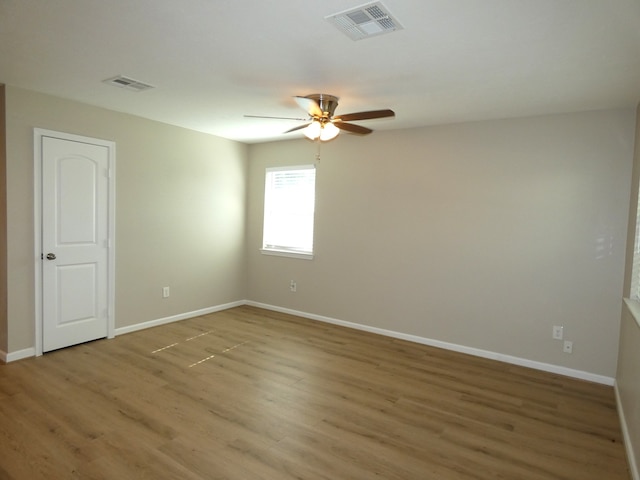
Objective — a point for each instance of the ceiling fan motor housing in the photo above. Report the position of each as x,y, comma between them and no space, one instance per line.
327,103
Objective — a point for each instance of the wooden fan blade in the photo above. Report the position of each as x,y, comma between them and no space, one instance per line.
309,105
350,127
277,118
366,115
297,128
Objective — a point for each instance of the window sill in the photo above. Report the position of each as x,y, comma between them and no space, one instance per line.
634,308
287,253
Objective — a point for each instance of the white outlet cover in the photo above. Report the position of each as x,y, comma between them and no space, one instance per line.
558,331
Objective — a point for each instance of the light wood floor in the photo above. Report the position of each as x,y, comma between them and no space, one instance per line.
250,394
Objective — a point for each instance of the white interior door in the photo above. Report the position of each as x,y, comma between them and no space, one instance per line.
75,247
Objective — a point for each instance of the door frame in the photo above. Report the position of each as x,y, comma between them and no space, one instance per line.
38,134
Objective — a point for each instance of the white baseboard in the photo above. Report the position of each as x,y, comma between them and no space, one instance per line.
523,362
633,465
19,355
176,318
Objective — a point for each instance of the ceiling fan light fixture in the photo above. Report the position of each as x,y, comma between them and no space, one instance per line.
324,131
312,132
328,132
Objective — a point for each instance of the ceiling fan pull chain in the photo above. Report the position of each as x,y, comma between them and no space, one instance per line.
318,151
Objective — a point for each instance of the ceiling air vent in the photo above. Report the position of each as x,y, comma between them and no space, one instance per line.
365,21
128,83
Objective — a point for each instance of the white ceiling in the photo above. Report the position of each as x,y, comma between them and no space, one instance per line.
212,61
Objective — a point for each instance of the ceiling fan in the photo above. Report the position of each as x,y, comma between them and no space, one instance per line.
322,124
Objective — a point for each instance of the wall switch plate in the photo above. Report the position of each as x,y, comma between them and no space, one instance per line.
567,346
558,331
165,292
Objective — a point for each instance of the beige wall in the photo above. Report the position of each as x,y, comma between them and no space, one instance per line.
483,235
628,375
180,211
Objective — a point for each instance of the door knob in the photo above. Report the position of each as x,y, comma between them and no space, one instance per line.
51,256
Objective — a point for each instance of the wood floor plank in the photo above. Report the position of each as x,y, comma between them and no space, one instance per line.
253,394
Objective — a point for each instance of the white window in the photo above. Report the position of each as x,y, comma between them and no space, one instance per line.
289,203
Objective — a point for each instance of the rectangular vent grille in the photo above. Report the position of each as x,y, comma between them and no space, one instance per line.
128,83
365,21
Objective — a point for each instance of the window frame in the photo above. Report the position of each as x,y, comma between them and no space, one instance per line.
278,250
634,293
633,300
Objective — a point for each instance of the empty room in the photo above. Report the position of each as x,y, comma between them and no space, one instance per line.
319,240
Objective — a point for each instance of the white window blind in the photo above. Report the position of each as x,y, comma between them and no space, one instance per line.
289,205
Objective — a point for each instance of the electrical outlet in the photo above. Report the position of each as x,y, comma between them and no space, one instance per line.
558,331
165,292
567,346
292,286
